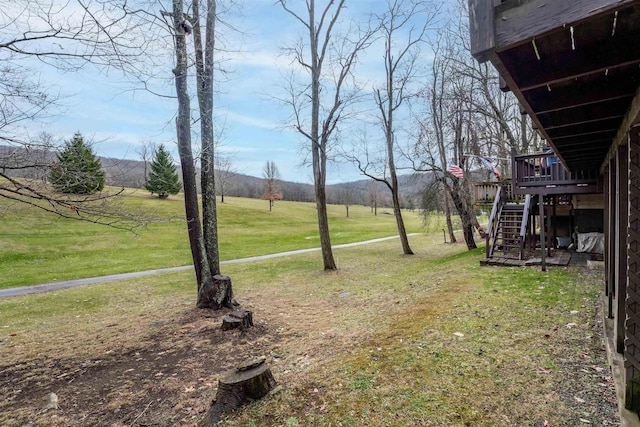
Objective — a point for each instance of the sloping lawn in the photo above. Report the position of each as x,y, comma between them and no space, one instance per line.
37,247
388,340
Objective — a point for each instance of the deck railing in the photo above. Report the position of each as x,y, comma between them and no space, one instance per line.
485,192
545,170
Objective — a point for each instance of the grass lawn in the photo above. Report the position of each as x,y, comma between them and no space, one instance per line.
37,247
387,340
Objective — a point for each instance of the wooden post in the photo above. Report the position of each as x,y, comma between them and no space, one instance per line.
611,249
607,219
542,235
632,324
620,266
554,221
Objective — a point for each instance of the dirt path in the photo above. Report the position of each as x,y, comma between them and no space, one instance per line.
54,286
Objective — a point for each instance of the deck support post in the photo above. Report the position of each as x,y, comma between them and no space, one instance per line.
610,231
620,265
543,223
632,302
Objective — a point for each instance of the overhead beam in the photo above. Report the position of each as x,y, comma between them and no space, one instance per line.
631,119
584,113
529,19
586,122
582,143
604,55
579,138
583,93
609,124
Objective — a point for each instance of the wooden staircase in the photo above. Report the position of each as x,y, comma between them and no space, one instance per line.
508,226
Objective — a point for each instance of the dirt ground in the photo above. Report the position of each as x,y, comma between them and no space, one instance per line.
160,383
169,376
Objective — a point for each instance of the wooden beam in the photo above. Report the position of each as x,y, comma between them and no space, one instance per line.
481,28
515,25
592,142
584,92
632,324
610,250
581,64
610,124
620,266
609,117
561,189
580,138
585,113
631,118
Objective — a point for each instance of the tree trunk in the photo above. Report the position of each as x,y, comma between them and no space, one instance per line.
204,74
183,130
249,382
216,293
402,232
447,215
323,229
465,217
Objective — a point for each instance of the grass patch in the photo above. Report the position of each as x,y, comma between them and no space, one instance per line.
388,340
36,247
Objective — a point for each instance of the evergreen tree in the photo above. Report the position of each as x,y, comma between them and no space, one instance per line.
78,170
163,178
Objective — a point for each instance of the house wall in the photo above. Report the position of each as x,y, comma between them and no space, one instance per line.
588,201
589,220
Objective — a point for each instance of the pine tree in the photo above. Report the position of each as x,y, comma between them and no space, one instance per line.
78,170
163,178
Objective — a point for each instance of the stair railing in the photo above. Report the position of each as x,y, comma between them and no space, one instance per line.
494,220
524,225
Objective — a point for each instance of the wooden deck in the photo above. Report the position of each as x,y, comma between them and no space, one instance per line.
560,258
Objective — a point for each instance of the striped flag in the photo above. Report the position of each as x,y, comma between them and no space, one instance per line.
486,161
456,171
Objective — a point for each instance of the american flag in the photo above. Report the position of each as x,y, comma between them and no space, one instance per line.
456,171
486,161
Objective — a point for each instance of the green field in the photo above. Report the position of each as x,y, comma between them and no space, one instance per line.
37,247
431,339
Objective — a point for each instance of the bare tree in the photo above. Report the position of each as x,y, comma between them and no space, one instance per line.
347,195
402,43
145,150
214,291
272,191
318,108
445,136
373,194
225,173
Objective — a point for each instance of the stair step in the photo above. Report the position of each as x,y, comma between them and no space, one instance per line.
513,208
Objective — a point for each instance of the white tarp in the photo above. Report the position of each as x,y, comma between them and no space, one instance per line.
591,242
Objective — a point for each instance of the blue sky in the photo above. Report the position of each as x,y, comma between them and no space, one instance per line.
101,107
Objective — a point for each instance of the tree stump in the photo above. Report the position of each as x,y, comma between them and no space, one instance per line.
238,319
251,380
216,294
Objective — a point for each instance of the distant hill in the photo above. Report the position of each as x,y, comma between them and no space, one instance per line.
33,163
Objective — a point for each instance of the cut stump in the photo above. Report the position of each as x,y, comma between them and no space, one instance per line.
216,294
238,319
250,381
